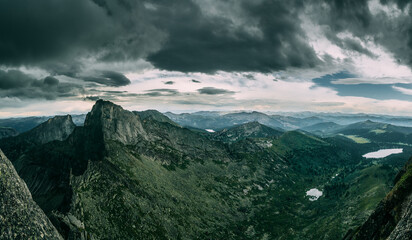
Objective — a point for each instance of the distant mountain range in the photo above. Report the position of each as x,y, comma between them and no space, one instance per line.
143,175
20,125
288,121
220,120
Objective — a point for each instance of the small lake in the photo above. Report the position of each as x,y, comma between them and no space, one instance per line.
314,194
383,153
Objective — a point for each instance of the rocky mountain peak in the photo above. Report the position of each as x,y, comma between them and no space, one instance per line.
20,216
56,128
115,123
154,115
65,119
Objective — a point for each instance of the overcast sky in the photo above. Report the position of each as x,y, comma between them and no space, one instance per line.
59,56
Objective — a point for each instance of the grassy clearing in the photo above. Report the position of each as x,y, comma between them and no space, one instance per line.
357,139
378,131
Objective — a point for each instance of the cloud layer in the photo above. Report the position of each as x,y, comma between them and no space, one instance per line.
16,84
195,36
188,52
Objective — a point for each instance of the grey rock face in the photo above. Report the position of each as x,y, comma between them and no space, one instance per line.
392,217
115,123
20,216
403,229
57,128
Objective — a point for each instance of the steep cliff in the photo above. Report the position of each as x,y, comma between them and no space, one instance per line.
392,217
56,128
20,216
115,123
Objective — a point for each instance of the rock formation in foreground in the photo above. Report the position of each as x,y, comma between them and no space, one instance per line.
20,216
392,219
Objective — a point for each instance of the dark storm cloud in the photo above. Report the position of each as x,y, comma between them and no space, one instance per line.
355,17
349,44
166,90
14,79
375,91
186,35
92,98
202,43
51,81
39,32
161,92
33,31
400,3
249,76
108,78
14,83
347,14
214,91
355,45
174,35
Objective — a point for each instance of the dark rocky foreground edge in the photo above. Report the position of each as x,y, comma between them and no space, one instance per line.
392,217
20,216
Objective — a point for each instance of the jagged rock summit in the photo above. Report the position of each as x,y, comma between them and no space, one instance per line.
115,123
20,216
57,128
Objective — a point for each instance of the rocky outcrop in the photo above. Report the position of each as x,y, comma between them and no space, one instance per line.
115,123
20,216
57,128
392,217
403,229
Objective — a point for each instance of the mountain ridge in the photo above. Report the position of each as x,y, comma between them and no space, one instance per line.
247,130
115,122
57,128
171,182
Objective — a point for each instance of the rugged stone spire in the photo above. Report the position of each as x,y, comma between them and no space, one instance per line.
115,123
